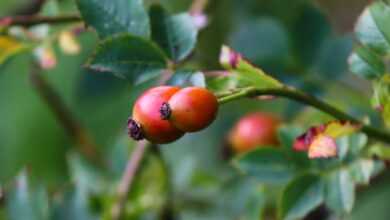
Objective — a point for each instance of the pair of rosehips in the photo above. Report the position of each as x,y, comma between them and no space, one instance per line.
163,114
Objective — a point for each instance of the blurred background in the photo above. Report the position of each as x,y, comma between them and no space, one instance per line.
303,43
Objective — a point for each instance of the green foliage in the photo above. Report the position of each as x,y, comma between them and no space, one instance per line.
187,78
300,196
176,34
373,32
340,191
128,57
245,71
261,30
266,164
366,64
255,204
113,17
150,190
364,169
27,200
372,29
329,65
381,97
287,135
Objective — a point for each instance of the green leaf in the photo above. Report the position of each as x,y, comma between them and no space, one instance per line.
149,191
265,164
176,35
50,8
27,201
364,169
357,142
112,17
350,146
372,28
128,57
301,195
223,83
381,97
149,188
74,204
340,191
329,65
118,155
85,176
310,30
287,136
254,208
366,63
185,78
265,29
380,151
247,73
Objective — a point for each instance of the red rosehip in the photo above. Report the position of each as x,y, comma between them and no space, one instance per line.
191,109
254,130
147,122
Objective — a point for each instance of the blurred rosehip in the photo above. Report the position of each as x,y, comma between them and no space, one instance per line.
254,130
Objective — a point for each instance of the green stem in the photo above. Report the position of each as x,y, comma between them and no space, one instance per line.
304,98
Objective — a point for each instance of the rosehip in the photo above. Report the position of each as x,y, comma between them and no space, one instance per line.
147,122
254,130
191,109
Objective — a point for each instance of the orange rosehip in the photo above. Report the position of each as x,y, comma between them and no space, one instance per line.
191,109
146,121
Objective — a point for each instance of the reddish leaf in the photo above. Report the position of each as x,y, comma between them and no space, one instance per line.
323,147
320,142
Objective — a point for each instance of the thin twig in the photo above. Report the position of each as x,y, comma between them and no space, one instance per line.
29,20
63,114
127,179
168,211
307,99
